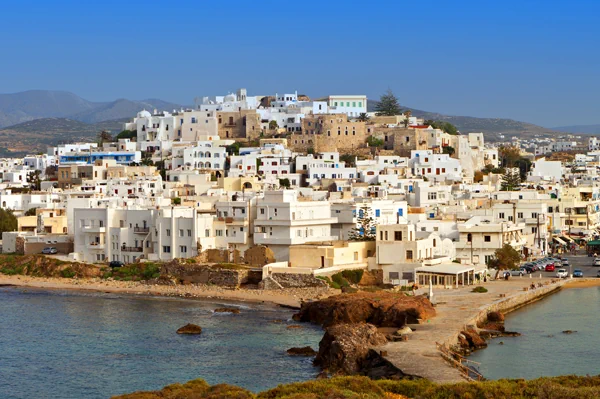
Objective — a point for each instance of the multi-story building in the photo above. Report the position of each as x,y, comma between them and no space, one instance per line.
351,105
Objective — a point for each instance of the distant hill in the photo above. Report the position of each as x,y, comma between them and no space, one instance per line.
583,129
25,106
36,135
493,127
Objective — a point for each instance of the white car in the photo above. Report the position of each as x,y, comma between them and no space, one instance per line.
562,273
597,262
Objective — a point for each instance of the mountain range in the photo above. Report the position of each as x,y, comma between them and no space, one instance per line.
29,105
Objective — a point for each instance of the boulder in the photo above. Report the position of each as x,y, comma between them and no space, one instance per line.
344,347
471,340
382,309
404,330
569,332
227,310
294,327
190,329
304,351
495,317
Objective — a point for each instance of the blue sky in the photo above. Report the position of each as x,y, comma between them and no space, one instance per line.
536,61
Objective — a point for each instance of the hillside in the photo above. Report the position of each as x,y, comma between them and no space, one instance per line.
25,106
493,127
583,129
36,135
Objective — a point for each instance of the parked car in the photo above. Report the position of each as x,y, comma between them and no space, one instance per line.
562,273
577,273
115,264
549,268
597,262
517,272
49,251
565,262
529,268
598,274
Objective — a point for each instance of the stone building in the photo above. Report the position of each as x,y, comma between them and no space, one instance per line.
243,124
329,133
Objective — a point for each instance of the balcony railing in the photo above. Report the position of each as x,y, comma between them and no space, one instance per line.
132,249
141,230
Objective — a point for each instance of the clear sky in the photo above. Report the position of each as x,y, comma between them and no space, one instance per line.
536,61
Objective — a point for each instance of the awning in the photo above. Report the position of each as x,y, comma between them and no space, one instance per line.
558,240
567,238
595,243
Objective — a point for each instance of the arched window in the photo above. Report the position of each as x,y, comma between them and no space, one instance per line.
434,242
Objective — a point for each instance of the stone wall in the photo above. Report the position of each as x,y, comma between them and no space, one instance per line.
331,132
193,273
259,255
295,280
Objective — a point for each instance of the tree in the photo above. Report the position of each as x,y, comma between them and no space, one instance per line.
233,149
373,141
448,150
365,226
349,159
388,105
363,117
273,125
505,258
30,212
478,176
284,183
33,178
8,221
446,127
176,201
104,136
509,155
126,134
511,180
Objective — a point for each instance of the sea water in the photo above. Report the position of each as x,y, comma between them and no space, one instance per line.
543,349
68,344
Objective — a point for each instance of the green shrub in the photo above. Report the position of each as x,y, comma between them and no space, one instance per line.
332,284
12,270
353,276
68,273
479,289
339,279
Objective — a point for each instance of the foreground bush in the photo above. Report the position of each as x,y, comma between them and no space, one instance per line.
566,387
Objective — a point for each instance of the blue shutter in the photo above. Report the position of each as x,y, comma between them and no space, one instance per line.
377,212
400,212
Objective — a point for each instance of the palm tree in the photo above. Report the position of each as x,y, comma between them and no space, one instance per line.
363,117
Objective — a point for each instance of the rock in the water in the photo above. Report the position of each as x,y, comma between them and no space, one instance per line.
470,339
345,346
304,351
382,309
495,317
501,343
227,310
190,329
294,327
569,332
404,330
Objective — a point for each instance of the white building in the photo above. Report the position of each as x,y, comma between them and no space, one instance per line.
351,105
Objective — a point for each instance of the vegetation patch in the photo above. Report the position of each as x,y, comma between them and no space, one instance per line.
479,289
134,272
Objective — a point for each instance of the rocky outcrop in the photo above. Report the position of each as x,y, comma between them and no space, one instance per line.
377,367
304,351
227,310
495,317
470,340
382,309
43,266
190,329
344,347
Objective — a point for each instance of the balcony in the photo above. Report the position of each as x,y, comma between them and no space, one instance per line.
95,245
94,229
141,230
132,249
230,124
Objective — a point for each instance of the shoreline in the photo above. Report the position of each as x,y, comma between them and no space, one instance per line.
291,298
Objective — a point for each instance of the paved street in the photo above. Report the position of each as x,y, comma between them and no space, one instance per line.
582,262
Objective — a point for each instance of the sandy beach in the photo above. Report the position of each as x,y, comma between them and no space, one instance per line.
289,297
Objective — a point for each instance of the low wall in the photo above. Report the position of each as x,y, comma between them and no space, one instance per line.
334,269
506,305
206,274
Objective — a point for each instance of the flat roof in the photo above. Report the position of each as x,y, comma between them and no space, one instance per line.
445,268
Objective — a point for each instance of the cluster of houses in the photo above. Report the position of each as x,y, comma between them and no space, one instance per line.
324,184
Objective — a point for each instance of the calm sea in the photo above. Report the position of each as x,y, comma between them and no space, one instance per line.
543,350
64,344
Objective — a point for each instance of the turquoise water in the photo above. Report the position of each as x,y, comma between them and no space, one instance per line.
59,344
543,350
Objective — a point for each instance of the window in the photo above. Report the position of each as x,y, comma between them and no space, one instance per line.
534,215
434,242
180,232
183,249
381,235
219,233
432,196
409,254
487,238
166,249
488,258
510,218
262,211
520,215
168,233
397,235
501,215
386,235
206,233
469,237
189,233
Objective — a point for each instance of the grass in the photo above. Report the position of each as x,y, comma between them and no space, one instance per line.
565,387
67,273
134,272
332,284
